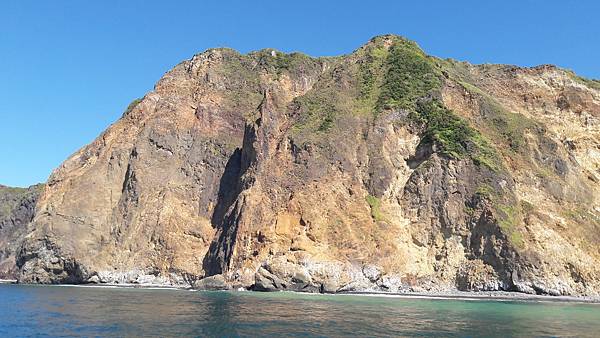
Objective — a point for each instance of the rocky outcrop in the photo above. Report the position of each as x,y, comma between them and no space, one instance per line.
144,198
17,207
211,283
382,170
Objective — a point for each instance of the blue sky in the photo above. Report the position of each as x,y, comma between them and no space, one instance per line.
69,68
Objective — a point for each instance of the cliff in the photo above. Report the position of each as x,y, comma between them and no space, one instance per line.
385,169
17,207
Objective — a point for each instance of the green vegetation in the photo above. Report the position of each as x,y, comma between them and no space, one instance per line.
503,125
591,83
317,112
370,76
5,191
10,197
526,207
375,204
512,127
510,217
396,76
287,62
5,209
280,63
507,126
486,191
545,173
319,108
455,137
469,211
132,106
326,124
369,69
244,91
410,75
517,239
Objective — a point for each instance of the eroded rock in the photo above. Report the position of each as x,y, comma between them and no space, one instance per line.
212,283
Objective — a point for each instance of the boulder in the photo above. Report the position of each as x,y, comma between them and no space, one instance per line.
266,281
211,283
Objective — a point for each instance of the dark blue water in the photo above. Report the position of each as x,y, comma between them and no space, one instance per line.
72,311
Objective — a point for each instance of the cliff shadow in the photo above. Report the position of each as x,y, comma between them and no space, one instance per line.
228,188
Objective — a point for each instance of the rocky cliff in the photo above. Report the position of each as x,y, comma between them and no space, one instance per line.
385,169
17,207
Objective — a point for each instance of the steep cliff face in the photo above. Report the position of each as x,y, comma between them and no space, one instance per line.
141,202
17,207
384,169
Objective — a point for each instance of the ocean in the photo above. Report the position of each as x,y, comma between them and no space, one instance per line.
66,311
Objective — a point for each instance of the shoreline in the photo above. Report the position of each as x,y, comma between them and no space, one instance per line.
502,296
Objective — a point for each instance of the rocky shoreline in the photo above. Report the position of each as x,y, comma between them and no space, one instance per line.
505,296
279,275
491,295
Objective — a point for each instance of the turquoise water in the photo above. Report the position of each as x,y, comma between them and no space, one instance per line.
87,311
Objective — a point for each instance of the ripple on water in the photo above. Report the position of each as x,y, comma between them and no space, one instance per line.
65,311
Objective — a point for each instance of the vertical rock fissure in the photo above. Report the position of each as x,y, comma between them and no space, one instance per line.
230,203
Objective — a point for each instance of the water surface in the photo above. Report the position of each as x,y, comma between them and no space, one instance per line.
89,311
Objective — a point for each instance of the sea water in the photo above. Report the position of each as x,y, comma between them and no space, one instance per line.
96,311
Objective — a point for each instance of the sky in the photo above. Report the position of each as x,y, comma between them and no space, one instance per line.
68,69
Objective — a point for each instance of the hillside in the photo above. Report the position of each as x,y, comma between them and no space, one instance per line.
385,169
17,207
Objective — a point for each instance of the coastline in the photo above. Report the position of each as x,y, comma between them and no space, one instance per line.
502,296
482,296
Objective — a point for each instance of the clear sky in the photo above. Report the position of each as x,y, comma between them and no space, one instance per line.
68,69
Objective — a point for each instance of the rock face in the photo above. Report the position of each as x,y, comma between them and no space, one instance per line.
17,207
384,170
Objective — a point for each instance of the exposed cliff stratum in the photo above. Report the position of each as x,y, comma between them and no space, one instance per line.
385,169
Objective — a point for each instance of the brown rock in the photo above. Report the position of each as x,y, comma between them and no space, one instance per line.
212,283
